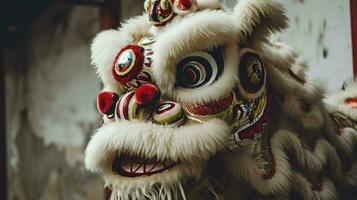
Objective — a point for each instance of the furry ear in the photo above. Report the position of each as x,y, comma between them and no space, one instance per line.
258,19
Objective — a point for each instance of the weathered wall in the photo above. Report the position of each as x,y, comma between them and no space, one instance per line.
51,109
51,112
321,31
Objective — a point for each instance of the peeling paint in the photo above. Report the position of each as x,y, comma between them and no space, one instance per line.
14,81
321,32
51,107
51,190
61,84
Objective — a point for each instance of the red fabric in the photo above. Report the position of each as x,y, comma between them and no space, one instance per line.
184,4
210,108
353,6
139,62
107,193
106,102
147,94
352,102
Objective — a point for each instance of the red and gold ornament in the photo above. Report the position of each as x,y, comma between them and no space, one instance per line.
184,4
128,63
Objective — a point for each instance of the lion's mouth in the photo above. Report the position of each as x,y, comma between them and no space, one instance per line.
134,167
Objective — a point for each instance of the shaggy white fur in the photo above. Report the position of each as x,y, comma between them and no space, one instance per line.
189,146
281,55
284,57
304,188
336,101
256,20
243,167
283,143
296,97
188,143
152,192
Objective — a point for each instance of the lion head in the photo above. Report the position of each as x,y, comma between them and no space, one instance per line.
183,83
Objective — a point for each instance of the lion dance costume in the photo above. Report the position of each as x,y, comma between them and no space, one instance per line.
199,103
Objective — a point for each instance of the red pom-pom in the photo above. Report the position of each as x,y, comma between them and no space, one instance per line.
352,102
147,94
184,4
106,102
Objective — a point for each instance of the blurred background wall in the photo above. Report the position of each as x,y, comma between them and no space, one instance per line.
50,102
321,31
51,88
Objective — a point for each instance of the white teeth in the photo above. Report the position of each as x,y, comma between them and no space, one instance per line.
159,166
150,167
141,170
135,167
127,166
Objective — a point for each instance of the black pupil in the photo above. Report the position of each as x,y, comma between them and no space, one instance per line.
251,72
191,75
199,70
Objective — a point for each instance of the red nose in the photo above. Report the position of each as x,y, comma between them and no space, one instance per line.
106,102
147,95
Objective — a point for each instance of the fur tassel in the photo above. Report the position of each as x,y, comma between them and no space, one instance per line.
257,19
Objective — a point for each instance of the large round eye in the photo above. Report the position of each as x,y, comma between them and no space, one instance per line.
252,75
197,70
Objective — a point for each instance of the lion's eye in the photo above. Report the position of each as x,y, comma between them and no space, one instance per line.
252,75
199,69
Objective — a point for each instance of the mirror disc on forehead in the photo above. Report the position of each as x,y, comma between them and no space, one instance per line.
128,63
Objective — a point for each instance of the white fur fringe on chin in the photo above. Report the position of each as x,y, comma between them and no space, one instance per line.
152,192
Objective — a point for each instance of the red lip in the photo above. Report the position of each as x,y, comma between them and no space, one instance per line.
135,167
